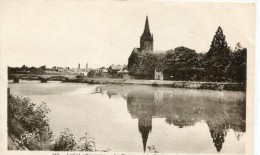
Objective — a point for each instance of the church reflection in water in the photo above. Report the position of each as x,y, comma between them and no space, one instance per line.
145,127
186,109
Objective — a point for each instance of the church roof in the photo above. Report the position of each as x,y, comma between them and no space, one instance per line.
136,50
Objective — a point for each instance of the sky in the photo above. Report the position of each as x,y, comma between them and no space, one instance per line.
100,33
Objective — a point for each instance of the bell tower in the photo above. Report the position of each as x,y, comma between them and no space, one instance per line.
146,39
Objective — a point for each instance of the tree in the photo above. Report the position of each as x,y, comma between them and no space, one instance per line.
160,63
148,65
142,65
217,58
218,45
181,64
91,73
134,62
236,70
43,67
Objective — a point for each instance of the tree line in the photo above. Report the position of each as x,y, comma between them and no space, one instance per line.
219,64
25,70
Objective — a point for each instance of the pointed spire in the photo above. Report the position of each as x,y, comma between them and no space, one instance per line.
146,39
146,27
144,142
145,127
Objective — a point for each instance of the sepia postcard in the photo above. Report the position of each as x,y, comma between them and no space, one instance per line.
126,77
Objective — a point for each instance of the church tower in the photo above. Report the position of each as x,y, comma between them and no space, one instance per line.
146,40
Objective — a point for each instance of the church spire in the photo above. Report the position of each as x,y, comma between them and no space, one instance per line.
146,39
146,27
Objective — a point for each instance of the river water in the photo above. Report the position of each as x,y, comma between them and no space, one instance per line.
135,118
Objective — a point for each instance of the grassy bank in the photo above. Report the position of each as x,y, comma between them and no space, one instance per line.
172,84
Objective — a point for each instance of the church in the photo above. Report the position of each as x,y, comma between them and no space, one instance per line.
146,45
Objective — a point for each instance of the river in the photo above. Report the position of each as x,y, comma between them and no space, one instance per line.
136,118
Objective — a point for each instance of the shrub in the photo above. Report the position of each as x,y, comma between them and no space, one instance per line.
86,143
25,117
65,142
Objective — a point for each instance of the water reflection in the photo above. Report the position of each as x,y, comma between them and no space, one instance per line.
145,127
218,135
221,111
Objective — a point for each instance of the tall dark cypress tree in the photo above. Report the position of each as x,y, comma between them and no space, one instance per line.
217,58
218,45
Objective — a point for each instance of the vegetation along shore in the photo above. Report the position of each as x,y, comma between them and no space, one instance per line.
172,84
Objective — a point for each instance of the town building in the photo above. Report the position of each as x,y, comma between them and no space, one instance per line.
79,71
126,75
158,75
113,69
101,72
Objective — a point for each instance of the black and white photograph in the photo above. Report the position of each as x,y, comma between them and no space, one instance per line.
124,77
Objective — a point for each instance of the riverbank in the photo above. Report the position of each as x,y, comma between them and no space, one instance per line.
29,129
172,84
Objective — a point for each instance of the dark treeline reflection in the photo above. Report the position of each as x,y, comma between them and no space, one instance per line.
222,111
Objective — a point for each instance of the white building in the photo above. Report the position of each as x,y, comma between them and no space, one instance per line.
158,75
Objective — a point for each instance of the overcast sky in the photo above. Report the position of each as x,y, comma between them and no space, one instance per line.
65,33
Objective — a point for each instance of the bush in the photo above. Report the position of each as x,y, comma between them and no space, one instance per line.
66,141
86,143
25,117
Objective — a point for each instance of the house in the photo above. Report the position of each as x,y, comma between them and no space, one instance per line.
126,74
158,75
101,70
113,69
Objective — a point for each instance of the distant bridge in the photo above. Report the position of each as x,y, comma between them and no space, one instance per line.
43,77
